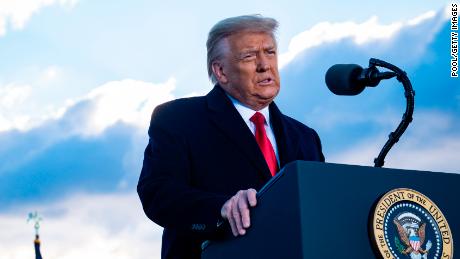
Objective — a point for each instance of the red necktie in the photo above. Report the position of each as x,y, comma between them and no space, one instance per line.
265,146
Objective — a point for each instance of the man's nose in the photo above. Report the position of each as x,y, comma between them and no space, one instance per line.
263,63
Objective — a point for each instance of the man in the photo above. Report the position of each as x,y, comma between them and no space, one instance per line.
208,155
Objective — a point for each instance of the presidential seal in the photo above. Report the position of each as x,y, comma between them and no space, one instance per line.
407,224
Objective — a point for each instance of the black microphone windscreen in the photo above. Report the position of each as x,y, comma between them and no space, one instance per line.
342,79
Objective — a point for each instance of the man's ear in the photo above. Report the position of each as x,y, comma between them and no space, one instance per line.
218,70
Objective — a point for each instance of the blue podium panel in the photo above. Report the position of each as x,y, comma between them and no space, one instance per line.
324,210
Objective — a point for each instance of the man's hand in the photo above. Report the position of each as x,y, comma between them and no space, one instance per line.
236,210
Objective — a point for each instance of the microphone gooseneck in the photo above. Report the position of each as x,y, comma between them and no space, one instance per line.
351,79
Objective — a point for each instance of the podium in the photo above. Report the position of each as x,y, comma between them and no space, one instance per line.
325,210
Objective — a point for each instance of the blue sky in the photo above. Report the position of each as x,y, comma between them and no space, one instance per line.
79,79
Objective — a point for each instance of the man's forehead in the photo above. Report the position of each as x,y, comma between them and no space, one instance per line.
252,40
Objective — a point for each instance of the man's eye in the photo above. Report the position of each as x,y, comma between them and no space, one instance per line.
248,56
271,52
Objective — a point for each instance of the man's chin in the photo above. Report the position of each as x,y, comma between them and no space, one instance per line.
268,95
264,101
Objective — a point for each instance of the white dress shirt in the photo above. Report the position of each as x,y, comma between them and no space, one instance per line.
246,113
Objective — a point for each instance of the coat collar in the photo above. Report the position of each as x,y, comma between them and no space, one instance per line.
286,138
225,116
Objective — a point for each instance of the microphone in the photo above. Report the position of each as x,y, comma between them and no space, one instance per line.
351,79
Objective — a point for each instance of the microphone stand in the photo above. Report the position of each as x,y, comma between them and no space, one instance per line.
409,93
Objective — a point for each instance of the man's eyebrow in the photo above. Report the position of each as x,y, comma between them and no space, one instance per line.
251,49
255,49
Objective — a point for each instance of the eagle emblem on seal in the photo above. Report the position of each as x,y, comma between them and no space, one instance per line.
411,232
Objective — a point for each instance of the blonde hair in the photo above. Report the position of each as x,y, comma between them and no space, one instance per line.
225,28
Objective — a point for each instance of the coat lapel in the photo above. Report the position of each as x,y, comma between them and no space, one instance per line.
225,116
286,139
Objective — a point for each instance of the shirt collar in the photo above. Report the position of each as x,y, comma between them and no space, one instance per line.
247,112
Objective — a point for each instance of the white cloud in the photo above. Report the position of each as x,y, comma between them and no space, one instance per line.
2,26
27,102
50,73
421,18
12,96
83,226
328,119
429,144
129,101
18,12
439,156
361,33
20,108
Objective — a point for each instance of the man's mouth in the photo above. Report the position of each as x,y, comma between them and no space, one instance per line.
266,81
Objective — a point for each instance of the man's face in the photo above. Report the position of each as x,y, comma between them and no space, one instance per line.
249,69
